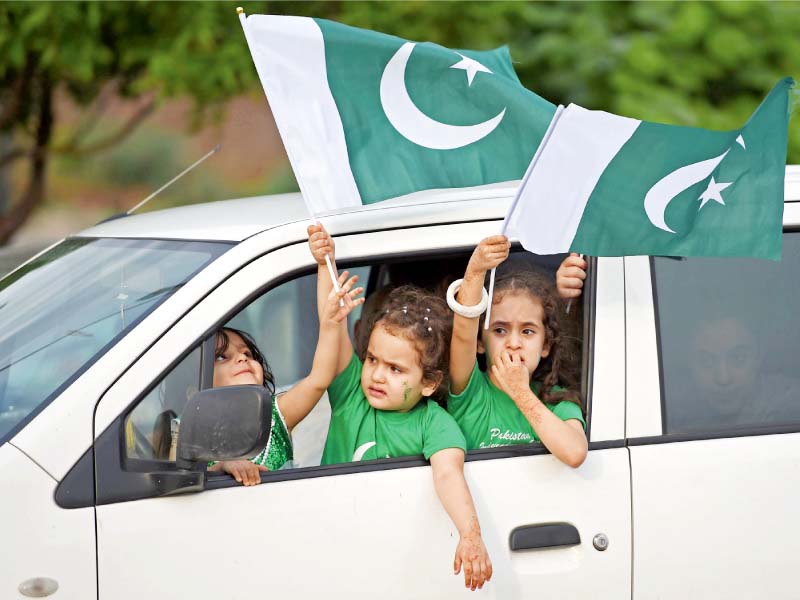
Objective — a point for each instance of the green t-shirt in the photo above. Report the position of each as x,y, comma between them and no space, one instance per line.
489,418
358,431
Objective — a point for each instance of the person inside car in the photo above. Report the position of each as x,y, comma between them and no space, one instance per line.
383,407
238,361
517,400
728,384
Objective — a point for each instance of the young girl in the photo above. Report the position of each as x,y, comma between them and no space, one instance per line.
383,407
238,361
510,404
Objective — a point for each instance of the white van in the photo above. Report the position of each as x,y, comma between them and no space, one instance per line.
690,384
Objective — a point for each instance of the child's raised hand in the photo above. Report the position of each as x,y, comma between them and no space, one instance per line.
511,375
472,555
243,471
321,243
489,253
570,276
336,311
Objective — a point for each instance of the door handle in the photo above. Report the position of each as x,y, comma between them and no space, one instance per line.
546,535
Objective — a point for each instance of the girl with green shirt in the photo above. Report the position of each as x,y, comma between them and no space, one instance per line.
382,406
238,361
517,400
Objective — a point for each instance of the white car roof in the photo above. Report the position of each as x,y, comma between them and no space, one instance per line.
236,220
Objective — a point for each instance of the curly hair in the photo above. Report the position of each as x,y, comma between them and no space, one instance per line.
424,319
554,369
222,345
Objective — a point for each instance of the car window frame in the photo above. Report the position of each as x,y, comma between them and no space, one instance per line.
216,481
735,431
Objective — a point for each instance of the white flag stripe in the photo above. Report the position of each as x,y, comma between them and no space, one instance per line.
552,203
289,54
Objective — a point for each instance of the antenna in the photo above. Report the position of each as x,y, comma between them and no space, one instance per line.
173,180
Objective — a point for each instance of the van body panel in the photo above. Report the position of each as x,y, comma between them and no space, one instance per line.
40,539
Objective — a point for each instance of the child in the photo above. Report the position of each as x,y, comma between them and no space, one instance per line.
509,404
383,407
238,361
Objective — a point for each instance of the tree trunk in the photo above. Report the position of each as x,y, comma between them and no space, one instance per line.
34,191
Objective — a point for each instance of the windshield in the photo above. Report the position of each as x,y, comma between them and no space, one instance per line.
62,311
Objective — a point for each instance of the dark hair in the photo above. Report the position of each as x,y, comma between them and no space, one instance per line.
554,369
370,312
162,434
222,345
424,319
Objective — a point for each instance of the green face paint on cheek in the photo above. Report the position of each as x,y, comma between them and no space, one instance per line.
406,393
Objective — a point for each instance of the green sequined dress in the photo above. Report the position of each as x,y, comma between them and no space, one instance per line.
278,453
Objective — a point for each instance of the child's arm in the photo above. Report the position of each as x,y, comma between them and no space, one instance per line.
570,276
566,440
463,346
298,401
451,487
321,244
243,471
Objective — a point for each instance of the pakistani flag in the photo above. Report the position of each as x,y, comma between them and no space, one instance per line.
605,185
366,116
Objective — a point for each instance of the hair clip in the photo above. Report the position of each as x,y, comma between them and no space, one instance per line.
428,309
430,328
424,318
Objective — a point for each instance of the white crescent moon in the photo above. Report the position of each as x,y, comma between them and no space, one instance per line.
362,450
661,194
412,123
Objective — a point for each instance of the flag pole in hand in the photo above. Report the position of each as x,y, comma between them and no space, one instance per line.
331,271
569,302
515,201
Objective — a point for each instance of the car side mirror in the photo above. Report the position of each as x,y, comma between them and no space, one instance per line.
224,423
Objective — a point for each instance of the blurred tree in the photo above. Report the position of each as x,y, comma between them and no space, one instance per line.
90,51
690,63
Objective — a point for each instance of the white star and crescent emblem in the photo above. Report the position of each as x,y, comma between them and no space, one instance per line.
471,67
666,189
361,451
416,126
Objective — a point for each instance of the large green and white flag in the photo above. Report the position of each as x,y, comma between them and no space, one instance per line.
606,185
366,116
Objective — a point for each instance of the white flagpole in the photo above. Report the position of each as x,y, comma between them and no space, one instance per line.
515,201
334,278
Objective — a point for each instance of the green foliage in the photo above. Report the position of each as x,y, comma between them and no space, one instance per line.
705,64
148,158
693,63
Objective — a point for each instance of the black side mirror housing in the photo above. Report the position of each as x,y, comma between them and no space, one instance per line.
224,423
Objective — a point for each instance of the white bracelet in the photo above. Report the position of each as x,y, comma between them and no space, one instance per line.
470,312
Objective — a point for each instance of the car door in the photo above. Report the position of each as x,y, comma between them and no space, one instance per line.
714,423
372,529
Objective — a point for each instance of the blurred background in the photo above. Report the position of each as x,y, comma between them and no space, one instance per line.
103,102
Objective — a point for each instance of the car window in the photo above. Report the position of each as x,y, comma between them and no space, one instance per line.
283,324
729,338
63,310
152,426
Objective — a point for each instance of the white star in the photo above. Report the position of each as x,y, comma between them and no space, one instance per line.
713,192
470,66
